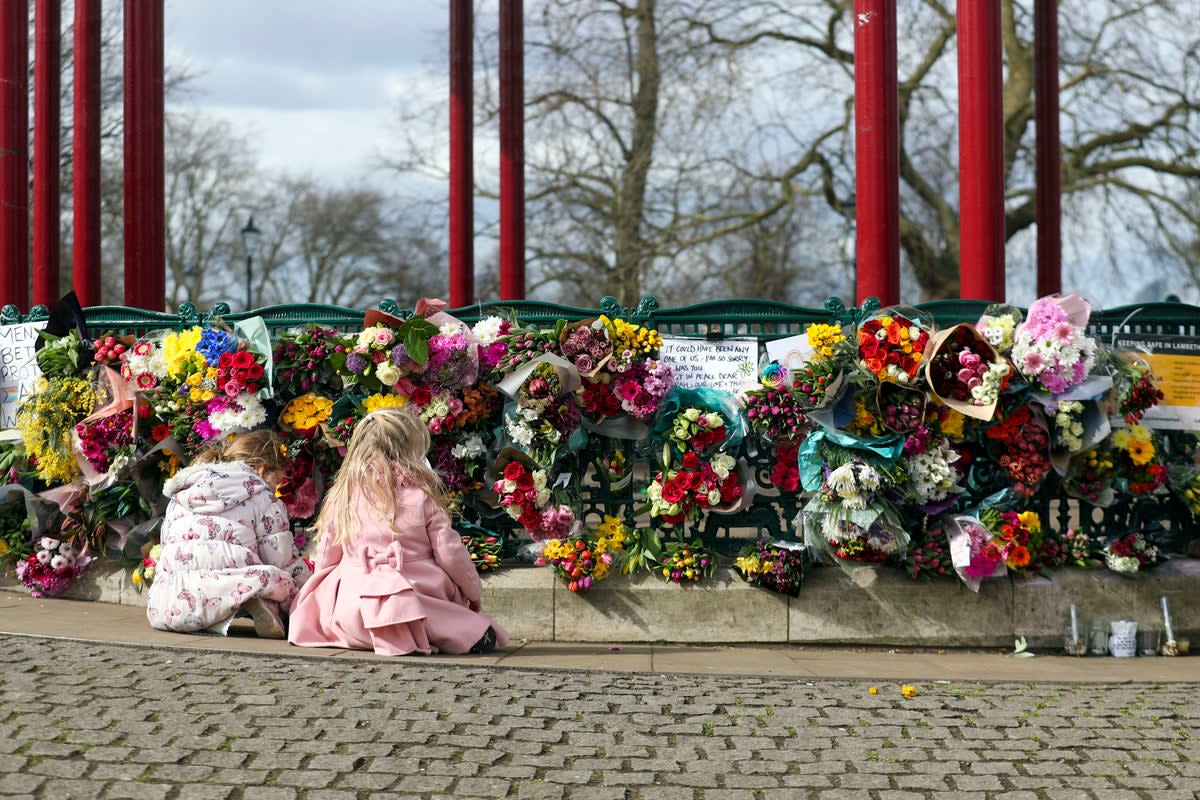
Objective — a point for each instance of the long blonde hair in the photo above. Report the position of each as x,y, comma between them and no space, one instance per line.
387,450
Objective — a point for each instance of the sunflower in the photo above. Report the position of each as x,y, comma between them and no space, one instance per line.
1140,451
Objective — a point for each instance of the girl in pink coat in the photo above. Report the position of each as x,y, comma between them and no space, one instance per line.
390,574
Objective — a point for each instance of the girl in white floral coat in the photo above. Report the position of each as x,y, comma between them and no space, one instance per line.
227,544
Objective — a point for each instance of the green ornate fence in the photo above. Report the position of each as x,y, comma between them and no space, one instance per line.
770,513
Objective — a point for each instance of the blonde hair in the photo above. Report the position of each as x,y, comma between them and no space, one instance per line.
261,450
387,450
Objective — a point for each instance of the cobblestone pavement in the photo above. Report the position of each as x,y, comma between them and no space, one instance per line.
81,720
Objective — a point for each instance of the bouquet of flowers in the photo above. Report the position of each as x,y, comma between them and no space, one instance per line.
775,413
585,344
1050,348
1139,462
872,543
303,359
686,562
143,574
583,560
508,347
901,408
107,443
52,567
526,498
773,566
1076,548
683,493
1017,540
641,386
630,343
998,327
1025,447
46,420
453,359
891,347
484,548
964,371
1136,392
1090,477
110,349
305,414
932,477
929,555
785,474
62,356
1130,553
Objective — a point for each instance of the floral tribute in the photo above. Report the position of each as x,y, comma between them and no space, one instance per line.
880,430
1050,348
686,562
891,347
1129,554
51,567
772,566
583,560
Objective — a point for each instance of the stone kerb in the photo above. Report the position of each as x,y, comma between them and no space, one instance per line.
879,607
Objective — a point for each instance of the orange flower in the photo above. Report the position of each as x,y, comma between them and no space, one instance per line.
1019,557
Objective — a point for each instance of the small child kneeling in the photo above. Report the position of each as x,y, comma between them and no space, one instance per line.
391,575
227,544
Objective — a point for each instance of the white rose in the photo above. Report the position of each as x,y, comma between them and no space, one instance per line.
691,414
543,497
714,497
513,511
387,373
539,479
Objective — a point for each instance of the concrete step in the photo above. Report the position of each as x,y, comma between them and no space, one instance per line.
881,607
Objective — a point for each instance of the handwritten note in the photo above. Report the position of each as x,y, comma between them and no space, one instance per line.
727,365
18,369
793,352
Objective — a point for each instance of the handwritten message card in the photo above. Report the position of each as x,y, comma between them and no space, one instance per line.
727,365
18,369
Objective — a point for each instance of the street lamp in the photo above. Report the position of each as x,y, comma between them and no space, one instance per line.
250,240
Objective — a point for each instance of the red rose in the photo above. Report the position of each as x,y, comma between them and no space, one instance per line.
243,359
420,396
672,491
691,460
513,470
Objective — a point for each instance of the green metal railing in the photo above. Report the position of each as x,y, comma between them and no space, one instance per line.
771,513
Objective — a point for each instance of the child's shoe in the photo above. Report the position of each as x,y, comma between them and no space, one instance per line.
486,643
267,622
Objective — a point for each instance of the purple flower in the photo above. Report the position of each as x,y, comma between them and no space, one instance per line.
356,363
399,355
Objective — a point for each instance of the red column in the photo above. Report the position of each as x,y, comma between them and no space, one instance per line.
85,155
512,150
145,272
47,238
1049,152
14,153
877,152
980,151
462,175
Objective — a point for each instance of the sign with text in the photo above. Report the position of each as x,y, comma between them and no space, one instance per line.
792,352
1175,362
18,369
727,364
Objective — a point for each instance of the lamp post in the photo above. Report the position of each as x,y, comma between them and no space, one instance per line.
250,236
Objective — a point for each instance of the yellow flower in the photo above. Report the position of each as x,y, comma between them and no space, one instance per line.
1031,521
873,690
136,579
952,425
3,548
908,691
1141,452
377,401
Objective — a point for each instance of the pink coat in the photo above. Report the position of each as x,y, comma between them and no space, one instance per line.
416,592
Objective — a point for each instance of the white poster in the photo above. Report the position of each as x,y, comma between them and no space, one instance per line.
727,364
18,369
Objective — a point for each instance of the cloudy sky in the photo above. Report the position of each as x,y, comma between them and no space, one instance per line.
313,84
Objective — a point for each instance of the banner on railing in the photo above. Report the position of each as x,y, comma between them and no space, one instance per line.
1175,362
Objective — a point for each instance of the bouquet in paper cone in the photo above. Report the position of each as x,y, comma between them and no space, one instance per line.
585,344
891,346
1050,348
774,411
526,497
773,566
1090,477
484,548
998,327
964,372
47,420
